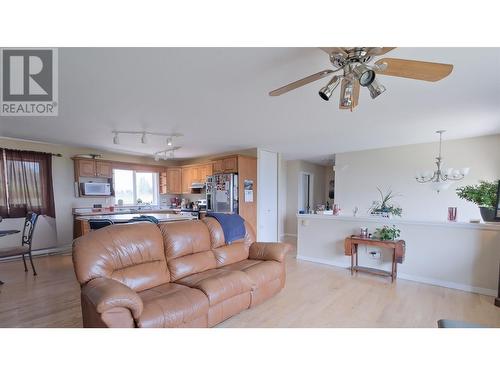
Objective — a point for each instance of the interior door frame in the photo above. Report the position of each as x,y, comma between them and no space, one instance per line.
301,190
259,189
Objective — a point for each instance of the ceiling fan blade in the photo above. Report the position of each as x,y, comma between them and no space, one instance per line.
301,82
377,51
334,50
422,70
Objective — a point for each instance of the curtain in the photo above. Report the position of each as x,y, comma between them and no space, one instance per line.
29,183
3,191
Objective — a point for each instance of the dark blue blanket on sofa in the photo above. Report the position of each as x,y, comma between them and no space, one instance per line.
232,225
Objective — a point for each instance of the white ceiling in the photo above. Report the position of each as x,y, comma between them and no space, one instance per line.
218,98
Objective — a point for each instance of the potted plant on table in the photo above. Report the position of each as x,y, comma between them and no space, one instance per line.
384,207
387,233
484,195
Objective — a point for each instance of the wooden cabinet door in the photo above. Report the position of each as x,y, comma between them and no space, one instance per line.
103,169
163,183
86,168
230,164
217,166
196,173
186,180
209,170
174,180
205,171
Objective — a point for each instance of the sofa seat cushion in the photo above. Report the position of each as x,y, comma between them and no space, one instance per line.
259,272
218,285
171,305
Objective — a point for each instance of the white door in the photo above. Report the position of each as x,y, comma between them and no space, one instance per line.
267,203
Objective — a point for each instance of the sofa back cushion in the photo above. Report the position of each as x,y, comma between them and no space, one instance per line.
132,254
228,254
187,248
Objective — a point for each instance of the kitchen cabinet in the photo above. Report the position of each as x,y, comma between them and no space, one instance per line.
85,168
226,165
174,180
230,165
163,183
93,168
186,179
103,169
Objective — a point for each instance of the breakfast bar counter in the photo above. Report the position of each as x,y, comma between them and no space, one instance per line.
456,255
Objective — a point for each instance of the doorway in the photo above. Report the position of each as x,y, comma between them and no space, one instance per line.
306,192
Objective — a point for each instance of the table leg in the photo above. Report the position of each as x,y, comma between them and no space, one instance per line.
352,260
393,267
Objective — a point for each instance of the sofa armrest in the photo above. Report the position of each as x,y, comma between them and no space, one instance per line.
106,294
268,251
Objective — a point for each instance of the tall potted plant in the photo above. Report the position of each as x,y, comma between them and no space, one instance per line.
384,207
484,195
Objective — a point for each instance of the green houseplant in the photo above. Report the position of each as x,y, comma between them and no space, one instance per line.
484,195
384,207
387,233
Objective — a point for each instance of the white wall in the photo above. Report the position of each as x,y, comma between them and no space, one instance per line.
293,170
357,175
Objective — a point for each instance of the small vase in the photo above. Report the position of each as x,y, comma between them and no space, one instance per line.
487,213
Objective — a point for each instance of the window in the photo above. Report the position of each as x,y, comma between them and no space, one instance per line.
25,183
135,187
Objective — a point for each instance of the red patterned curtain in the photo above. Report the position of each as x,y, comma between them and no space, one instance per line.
29,183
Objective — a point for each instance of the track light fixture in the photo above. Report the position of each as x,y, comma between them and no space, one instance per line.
145,135
162,154
326,92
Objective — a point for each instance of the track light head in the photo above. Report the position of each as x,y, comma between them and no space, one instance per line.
116,140
169,141
375,89
364,75
326,92
144,138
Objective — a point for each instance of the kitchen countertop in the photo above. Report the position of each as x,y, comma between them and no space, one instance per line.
123,218
123,211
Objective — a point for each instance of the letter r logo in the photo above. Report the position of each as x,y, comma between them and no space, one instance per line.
27,75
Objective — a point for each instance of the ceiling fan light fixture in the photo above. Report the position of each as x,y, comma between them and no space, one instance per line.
346,94
326,92
364,75
375,89
169,141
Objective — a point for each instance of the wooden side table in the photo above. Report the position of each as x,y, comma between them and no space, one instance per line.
398,248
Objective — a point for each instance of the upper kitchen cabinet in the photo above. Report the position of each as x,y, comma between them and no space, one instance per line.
174,180
103,169
226,165
84,168
93,168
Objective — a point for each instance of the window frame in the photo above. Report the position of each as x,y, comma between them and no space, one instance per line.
156,190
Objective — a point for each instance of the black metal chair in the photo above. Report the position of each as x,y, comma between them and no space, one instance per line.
95,224
26,240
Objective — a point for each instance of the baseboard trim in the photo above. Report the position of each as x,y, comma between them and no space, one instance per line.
289,235
418,279
42,252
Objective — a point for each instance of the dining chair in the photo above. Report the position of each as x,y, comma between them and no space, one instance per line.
26,240
95,224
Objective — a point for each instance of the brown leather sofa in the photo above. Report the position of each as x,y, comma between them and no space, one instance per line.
179,274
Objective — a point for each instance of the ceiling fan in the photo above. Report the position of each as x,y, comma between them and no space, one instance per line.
355,70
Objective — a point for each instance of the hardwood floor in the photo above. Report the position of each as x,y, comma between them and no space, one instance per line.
315,296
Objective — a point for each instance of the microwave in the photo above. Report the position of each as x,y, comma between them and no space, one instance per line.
95,188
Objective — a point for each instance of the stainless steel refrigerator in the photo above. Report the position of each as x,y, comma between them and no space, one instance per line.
222,193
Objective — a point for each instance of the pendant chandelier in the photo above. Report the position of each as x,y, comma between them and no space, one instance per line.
442,177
